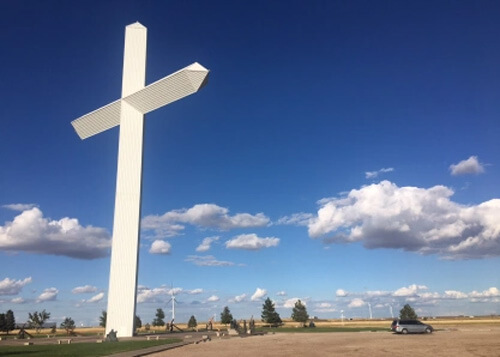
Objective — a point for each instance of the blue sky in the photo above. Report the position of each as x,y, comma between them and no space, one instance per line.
344,153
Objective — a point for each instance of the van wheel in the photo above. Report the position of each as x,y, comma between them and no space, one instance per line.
404,332
428,330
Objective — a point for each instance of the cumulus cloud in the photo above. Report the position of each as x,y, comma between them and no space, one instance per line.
207,261
411,290
202,215
453,294
340,293
467,167
84,289
258,294
290,303
418,295
160,247
175,291
213,298
145,294
251,242
491,292
281,293
95,298
18,300
374,174
49,294
238,299
206,244
195,291
20,206
324,307
13,287
31,232
357,302
426,221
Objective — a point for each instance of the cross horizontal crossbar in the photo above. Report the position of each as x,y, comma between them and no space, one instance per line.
156,95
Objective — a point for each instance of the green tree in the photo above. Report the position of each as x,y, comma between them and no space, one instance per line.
269,314
137,322
69,325
158,321
37,319
103,318
299,312
10,321
3,325
226,317
192,323
407,313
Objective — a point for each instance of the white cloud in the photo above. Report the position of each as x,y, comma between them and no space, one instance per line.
469,166
377,293
258,294
33,233
357,302
281,293
175,291
429,296
84,289
18,300
95,298
206,244
160,247
195,291
426,221
207,260
251,242
341,293
49,294
453,294
491,292
202,215
20,206
213,298
374,174
290,303
411,290
297,219
150,295
324,307
238,299
13,287
419,296
161,229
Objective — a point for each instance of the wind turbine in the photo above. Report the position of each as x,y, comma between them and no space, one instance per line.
173,301
370,310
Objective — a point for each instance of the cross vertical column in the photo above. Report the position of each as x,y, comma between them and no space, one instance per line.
126,225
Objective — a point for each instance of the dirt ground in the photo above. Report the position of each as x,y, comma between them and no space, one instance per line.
465,341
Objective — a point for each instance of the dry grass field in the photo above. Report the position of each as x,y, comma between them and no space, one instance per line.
454,337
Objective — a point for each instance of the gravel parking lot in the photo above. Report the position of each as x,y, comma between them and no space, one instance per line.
473,341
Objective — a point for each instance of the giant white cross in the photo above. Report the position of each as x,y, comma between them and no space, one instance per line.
128,112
